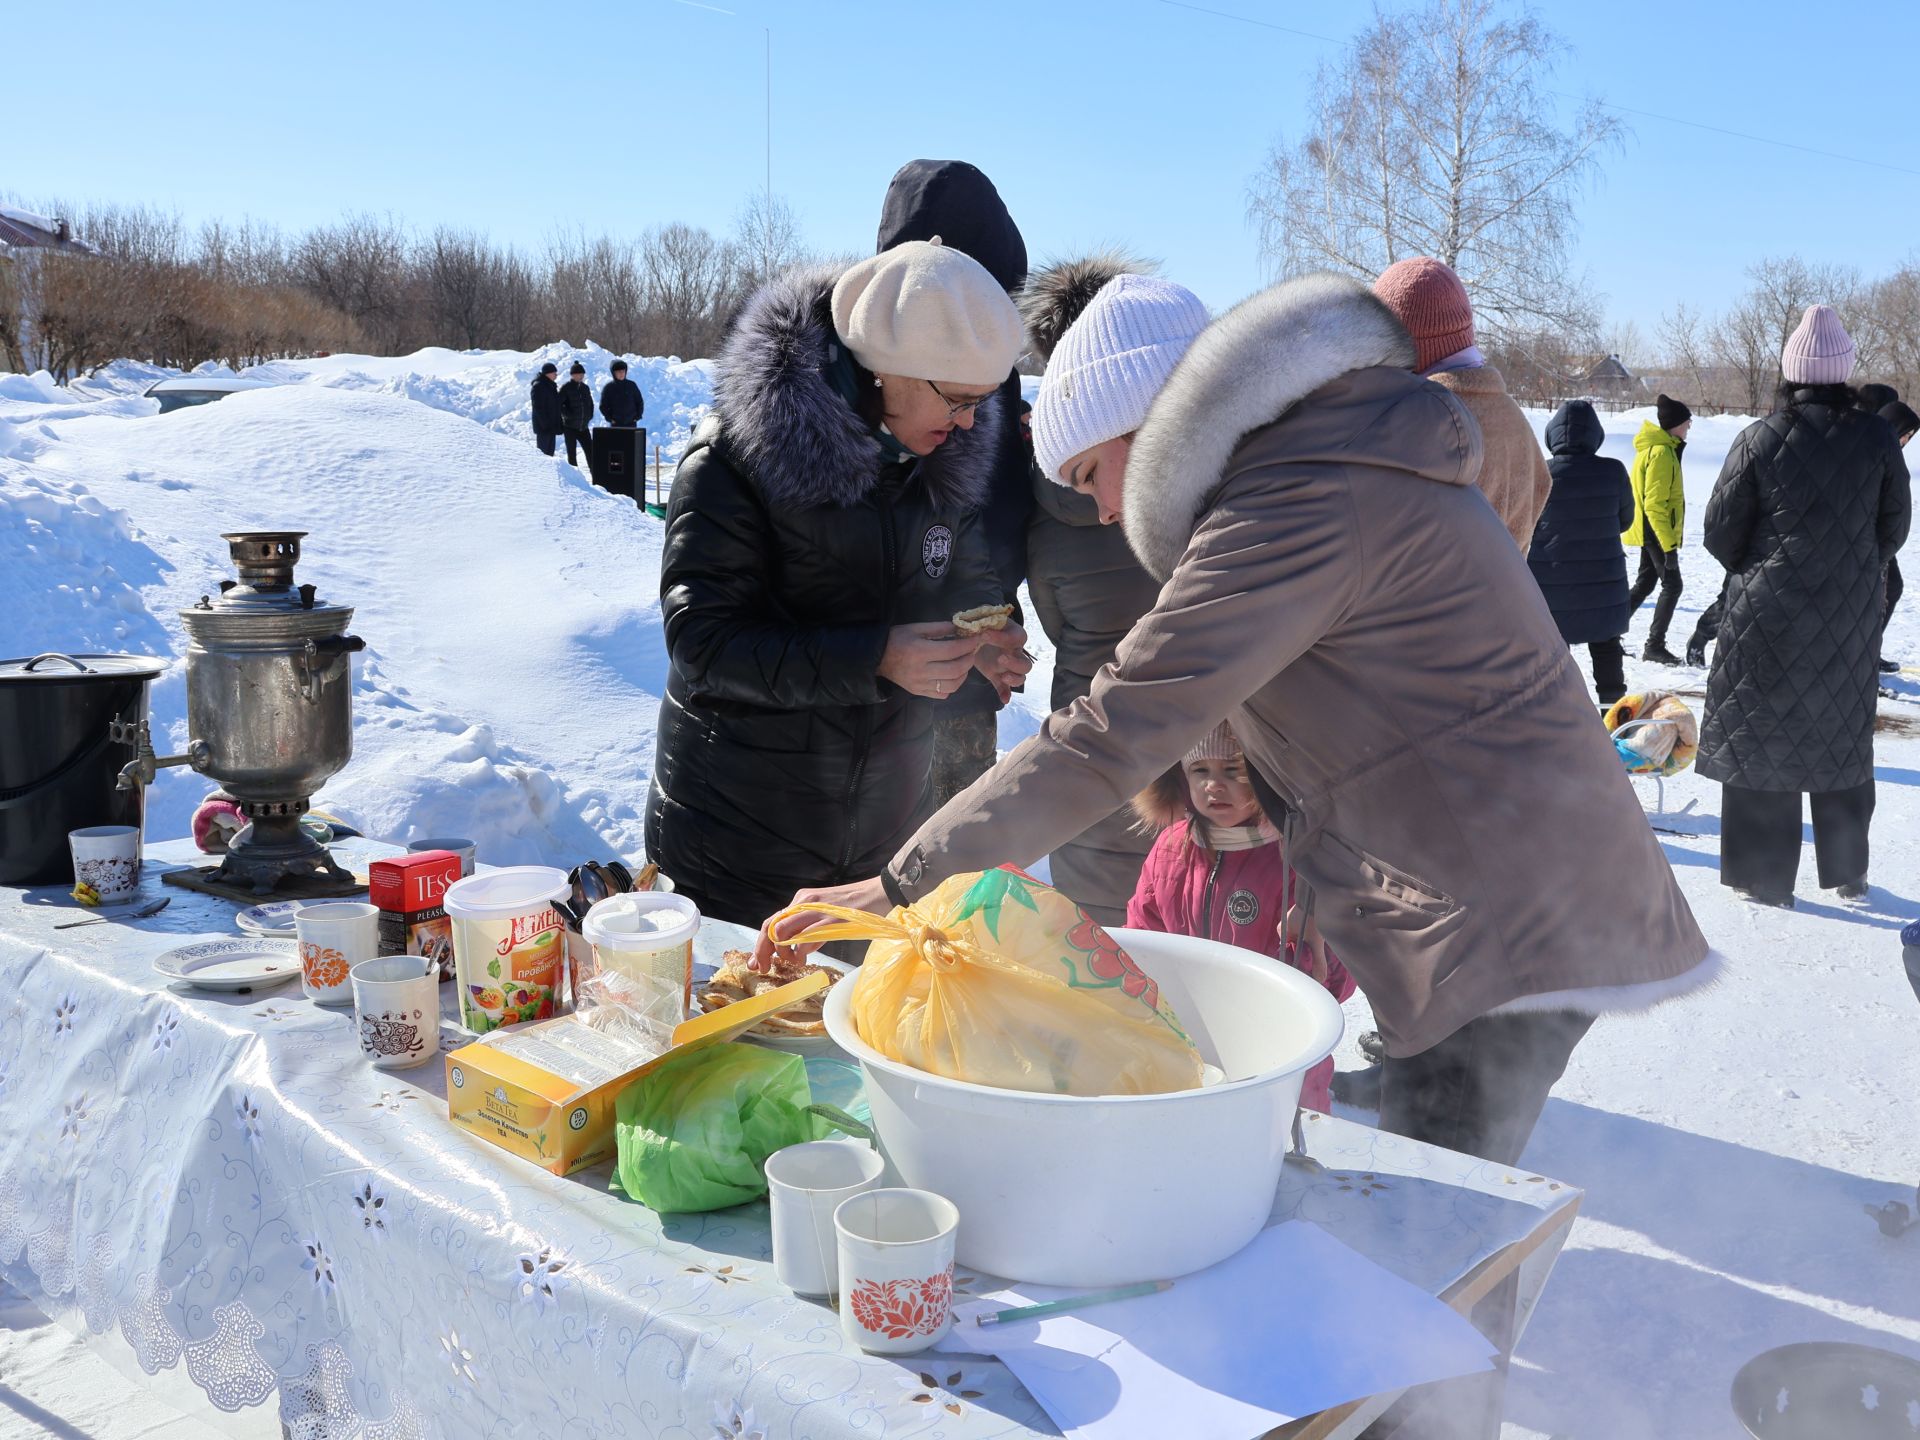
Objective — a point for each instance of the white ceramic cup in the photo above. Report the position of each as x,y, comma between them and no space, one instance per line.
462,848
396,1010
805,1185
896,1268
334,937
107,857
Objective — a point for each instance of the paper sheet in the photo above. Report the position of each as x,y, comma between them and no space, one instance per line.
1291,1325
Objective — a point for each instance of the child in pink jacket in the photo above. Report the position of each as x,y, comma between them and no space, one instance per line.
1217,872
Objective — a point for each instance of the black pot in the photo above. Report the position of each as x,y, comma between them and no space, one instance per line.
59,765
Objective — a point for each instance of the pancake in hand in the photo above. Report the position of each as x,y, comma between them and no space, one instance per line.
983,618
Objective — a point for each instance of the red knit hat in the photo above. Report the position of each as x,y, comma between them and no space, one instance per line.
1428,298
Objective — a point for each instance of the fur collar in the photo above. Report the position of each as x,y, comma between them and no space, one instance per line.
788,428
1243,372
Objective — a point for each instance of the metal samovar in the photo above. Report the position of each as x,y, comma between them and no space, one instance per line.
269,713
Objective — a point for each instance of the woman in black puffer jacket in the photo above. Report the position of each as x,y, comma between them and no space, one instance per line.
824,529
1810,505
1576,556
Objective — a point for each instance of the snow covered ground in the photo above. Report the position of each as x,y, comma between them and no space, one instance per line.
508,692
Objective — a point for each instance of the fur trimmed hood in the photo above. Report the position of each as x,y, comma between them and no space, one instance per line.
1245,371
786,424
1053,297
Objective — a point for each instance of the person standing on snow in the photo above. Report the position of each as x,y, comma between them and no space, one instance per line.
546,408
1576,555
1659,517
576,414
1329,573
1428,298
621,403
1088,589
954,202
825,527
1811,504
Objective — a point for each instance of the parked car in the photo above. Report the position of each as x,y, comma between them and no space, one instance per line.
184,390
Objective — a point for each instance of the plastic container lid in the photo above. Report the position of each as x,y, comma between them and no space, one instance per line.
615,923
496,894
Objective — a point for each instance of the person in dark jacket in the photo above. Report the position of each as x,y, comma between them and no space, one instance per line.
546,408
1811,504
824,528
1576,555
1905,425
576,413
958,203
1088,589
621,403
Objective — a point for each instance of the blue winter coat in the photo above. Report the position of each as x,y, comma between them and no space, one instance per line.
1576,555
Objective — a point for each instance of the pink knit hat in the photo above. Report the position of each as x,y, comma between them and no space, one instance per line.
1428,298
1819,352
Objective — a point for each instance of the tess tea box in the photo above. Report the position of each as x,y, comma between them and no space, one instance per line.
410,891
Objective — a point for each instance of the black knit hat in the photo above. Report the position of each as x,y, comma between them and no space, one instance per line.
1900,415
549,368
578,369
1670,413
618,366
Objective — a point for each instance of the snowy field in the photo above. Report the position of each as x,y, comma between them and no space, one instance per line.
508,691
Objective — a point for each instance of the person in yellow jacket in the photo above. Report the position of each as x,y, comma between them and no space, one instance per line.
1659,515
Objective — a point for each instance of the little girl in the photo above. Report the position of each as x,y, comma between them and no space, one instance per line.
1217,872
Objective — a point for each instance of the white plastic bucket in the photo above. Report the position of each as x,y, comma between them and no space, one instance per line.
1108,1190
509,944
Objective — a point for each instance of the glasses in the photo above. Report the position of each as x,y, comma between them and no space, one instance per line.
957,408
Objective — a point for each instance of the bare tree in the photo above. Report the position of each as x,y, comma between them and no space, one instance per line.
1683,341
359,267
1625,340
689,277
1434,135
766,239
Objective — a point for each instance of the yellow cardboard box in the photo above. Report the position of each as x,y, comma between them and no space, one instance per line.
546,1091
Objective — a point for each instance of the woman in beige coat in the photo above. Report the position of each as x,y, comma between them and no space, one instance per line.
1337,590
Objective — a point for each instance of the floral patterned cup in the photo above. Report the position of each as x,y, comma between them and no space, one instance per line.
396,1010
896,1269
107,857
333,939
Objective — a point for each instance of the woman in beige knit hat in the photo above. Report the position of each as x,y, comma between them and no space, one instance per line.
823,532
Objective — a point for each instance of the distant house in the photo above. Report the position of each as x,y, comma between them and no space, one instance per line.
1606,377
24,238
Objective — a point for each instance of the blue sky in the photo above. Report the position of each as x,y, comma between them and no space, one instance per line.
1128,121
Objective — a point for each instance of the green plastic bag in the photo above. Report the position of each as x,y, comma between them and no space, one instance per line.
695,1134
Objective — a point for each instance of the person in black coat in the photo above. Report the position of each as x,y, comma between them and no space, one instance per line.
576,414
1575,555
621,404
955,201
546,408
824,529
1811,504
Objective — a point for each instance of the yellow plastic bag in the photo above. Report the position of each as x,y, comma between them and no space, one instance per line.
999,980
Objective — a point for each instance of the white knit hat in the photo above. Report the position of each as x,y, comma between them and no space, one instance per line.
927,312
1107,368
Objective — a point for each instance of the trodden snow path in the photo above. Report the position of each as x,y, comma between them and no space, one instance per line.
1728,1144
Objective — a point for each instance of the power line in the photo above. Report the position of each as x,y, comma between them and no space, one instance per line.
1564,95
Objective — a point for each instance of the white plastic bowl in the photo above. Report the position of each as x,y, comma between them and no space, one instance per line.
1109,1190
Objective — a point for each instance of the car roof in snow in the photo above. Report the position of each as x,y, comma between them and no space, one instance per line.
205,384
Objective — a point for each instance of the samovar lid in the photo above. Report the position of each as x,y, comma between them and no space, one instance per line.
265,560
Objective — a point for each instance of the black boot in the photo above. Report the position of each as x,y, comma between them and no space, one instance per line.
1658,653
1853,889
1358,1088
1889,667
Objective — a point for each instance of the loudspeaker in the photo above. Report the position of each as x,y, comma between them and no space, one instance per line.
617,458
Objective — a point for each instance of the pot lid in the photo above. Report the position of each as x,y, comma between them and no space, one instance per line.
56,666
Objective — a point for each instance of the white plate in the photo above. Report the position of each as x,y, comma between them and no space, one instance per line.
232,964
274,919
806,1044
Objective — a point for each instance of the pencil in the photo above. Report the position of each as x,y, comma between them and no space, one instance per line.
1072,1302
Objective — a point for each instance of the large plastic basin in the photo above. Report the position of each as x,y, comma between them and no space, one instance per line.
1107,1190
